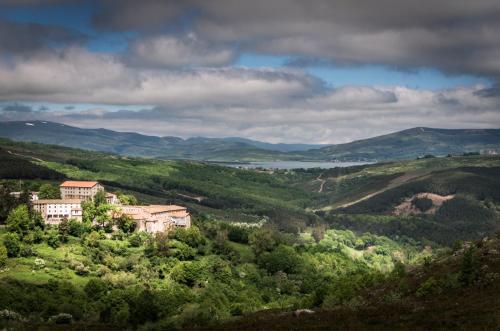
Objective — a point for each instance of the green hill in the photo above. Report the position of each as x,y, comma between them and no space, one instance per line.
412,143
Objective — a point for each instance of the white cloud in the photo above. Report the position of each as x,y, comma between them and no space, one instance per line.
174,52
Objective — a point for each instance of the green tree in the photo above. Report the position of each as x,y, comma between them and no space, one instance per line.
126,223
18,220
191,236
13,244
3,255
100,198
262,240
127,199
49,191
63,229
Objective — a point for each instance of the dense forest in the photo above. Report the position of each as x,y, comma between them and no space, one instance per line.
264,242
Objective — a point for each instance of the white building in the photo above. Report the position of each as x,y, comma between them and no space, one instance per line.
83,190
53,211
112,199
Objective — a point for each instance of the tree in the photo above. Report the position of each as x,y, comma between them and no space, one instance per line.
262,240
7,203
63,229
12,244
49,191
191,236
18,220
126,223
3,255
127,199
100,198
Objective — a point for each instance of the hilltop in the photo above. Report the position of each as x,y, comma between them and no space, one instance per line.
407,144
412,143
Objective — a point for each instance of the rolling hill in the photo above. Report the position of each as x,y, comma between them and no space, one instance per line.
412,143
407,144
134,144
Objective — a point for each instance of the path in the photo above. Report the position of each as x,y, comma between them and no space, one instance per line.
323,181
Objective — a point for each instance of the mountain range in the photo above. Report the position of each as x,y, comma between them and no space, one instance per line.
405,144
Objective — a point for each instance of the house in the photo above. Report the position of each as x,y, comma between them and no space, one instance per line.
158,218
53,211
112,199
83,190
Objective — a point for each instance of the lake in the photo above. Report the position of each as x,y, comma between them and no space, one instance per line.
292,164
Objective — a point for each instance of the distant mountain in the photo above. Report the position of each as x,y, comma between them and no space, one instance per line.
407,144
134,144
413,143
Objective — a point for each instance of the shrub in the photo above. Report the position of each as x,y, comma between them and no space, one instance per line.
92,240
430,286
26,251
39,263
61,318
3,255
13,244
422,204
53,239
135,240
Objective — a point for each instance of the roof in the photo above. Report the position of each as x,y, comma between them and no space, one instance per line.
72,183
59,201
153,209
109,195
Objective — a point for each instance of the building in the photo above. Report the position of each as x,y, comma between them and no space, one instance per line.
34,195
112,199
53,211
83,190
158,218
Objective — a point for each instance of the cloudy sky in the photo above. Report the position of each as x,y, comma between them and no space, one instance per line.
317,71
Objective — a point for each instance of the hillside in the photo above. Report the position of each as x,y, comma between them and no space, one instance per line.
407,144
134,144
457,291
264,243
412,143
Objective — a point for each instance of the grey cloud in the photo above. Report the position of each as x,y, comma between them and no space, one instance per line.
19,108
456,36
26,38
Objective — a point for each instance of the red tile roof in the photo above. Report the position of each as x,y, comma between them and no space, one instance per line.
71,183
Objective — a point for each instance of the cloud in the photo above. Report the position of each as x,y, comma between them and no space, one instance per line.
25,38
76,75
17,108
456,36
174,52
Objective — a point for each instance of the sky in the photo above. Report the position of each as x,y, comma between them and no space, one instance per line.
293,71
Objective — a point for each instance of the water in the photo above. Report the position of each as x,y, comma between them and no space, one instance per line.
293,164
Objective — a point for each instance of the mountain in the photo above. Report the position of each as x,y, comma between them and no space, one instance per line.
413,143
134,144
407,144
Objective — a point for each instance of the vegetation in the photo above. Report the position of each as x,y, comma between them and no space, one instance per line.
262,240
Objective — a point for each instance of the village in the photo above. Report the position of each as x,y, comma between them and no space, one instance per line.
148,218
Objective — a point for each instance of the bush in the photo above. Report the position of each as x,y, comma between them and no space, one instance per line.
53,239
430,286
26,251
12,244
135,240
3,255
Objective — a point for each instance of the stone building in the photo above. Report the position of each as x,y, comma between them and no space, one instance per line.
53,211
83,190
